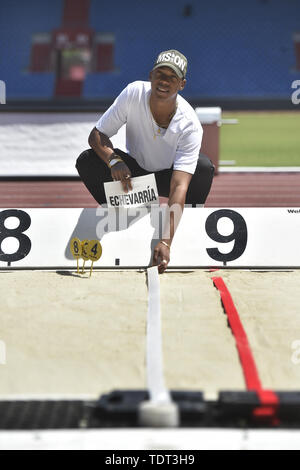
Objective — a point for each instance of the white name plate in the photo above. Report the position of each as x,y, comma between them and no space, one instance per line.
144,192
239,237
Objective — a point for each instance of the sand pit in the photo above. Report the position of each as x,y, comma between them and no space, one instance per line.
269,307
66,335
69,336
199,350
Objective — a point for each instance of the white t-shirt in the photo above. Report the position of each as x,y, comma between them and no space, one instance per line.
178,145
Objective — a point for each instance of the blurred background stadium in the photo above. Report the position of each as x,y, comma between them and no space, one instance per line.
89,50
73,57
64,61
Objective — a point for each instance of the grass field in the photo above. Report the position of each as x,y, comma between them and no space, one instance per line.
261,138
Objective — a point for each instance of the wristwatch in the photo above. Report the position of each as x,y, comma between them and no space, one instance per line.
113,160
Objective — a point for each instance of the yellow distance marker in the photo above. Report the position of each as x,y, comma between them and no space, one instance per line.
94,251
84,253
76,250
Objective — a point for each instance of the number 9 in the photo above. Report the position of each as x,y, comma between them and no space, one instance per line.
239,234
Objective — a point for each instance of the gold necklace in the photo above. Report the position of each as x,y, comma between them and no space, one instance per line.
158,126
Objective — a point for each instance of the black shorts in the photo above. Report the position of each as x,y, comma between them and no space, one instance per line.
94,172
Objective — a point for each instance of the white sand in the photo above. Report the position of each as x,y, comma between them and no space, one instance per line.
199,349
269,308
72,336
66,335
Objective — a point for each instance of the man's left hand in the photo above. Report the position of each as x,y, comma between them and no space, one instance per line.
161,257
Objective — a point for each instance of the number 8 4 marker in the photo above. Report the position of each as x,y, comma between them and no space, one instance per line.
87,250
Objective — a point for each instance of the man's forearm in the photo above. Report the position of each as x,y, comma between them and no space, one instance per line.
103,147
101,144
174,213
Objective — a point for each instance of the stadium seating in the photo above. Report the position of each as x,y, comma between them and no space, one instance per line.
235,49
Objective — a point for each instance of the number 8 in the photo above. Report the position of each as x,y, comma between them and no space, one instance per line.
24,240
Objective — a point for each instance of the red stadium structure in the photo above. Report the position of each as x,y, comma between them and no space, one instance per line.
72,50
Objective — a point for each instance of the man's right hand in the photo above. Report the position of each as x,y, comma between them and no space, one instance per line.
121,172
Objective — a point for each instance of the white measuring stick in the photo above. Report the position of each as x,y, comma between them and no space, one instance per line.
159,410
155,376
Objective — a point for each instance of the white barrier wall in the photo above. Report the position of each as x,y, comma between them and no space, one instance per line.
48,144
245,237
